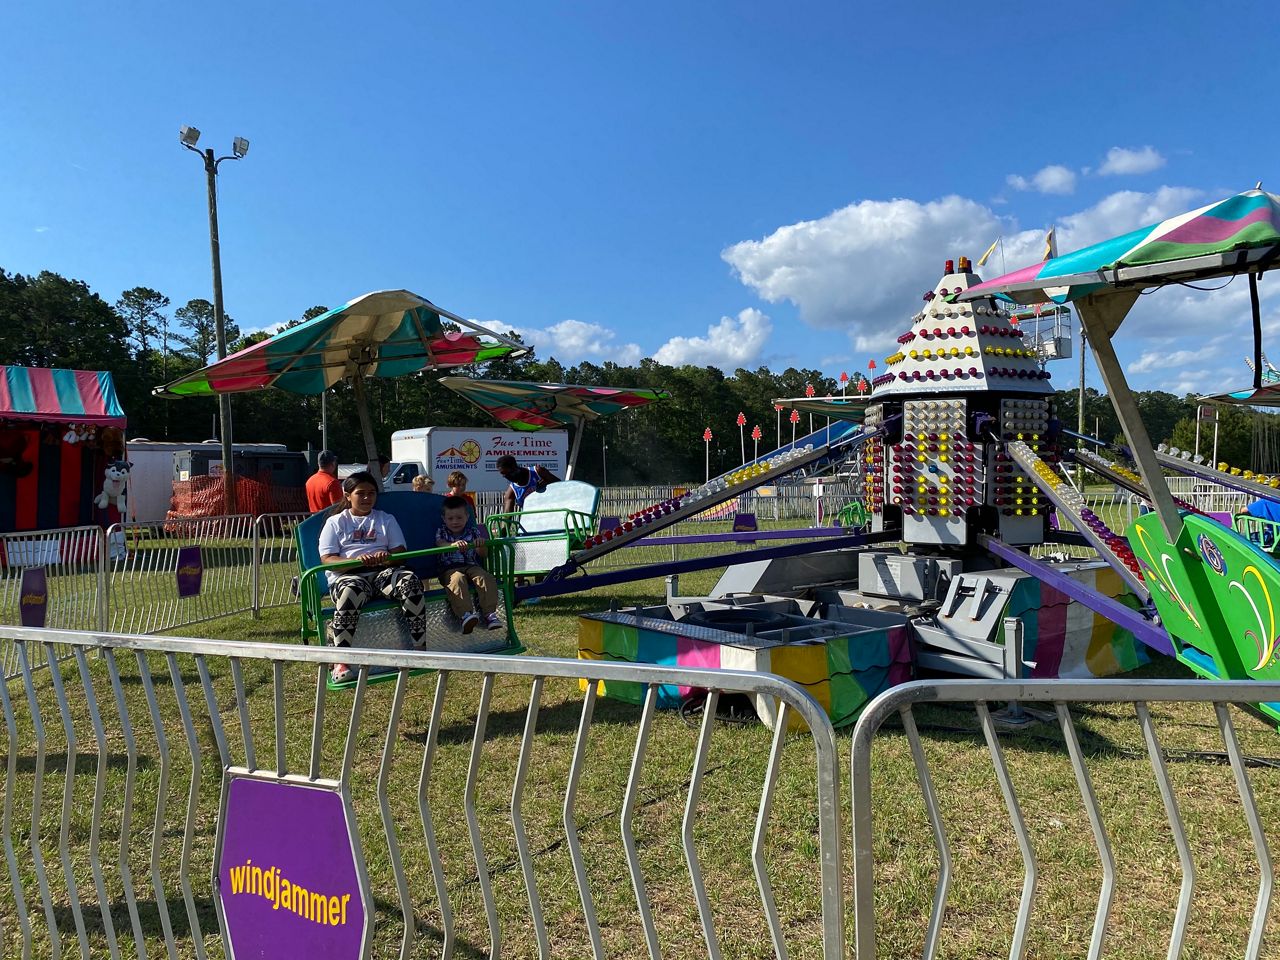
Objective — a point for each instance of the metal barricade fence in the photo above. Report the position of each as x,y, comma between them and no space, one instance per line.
275,560
72,589
153,743
1209,496
1085,801
143,575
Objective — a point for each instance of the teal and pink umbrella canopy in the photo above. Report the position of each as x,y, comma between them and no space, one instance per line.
837,408
385,334
1236,234
542,406
550,406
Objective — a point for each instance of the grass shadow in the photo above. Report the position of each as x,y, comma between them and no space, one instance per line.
563,717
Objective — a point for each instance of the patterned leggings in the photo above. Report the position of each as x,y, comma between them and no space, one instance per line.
351,591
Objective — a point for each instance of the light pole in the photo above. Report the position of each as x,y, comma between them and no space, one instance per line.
189,136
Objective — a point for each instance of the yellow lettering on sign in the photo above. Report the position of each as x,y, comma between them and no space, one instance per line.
279,891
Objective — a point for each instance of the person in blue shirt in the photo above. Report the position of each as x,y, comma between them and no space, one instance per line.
1264,509
460,568
521,481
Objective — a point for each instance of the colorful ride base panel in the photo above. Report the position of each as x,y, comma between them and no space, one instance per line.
1063,638
842,673
1066,640
1217,594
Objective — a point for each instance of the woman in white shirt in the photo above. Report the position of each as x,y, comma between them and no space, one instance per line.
361,532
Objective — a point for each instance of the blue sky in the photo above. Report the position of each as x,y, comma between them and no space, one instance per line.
736,184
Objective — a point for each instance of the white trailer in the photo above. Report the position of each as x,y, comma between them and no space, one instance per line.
438,451
151,479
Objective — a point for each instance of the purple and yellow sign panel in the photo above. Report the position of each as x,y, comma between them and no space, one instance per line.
287,874
35,597
190,571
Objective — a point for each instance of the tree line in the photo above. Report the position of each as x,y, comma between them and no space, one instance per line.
144,341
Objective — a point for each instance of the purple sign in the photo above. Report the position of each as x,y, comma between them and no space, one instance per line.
287,873
190,571
745,523
34,592
610,523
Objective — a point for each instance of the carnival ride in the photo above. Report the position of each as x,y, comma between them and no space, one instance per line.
962,466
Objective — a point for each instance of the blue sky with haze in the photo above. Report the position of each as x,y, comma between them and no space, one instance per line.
733,184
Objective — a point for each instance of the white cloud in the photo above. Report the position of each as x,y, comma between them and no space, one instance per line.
1121,161
1162,360
574,340
860,269
42,229
733,342
1054,178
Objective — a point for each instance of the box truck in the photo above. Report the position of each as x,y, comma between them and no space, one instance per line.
438,451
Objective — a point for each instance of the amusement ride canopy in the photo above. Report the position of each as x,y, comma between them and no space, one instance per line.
540,406
388,333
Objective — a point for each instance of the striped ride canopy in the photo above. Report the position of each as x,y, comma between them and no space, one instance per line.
389,333
1215,240
540,406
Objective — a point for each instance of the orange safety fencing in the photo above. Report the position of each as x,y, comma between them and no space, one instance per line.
206,497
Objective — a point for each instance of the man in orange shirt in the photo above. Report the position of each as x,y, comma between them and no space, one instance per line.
324,489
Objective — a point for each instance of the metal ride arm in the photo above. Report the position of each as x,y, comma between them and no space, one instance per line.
561,581
623,536
1152,634
1101,317
1213,475
1092,529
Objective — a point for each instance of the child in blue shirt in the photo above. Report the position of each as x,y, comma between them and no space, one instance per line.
461,566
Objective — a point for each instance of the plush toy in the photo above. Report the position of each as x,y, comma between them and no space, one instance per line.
111,439
113,485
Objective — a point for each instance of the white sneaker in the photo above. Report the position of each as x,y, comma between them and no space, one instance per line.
341,673
469,622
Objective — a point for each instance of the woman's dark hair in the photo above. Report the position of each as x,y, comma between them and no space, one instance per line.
357,478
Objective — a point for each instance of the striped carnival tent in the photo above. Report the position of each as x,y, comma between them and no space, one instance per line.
58,430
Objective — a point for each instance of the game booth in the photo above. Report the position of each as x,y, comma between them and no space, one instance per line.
59,432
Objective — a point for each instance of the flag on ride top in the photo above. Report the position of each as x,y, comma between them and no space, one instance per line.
990,250
1050,244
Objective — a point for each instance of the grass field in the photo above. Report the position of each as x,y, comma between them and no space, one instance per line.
988,872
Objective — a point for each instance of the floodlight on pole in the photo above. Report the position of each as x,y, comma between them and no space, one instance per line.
240,146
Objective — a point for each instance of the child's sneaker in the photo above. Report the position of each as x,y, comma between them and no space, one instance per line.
341,673
491,622
469,622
